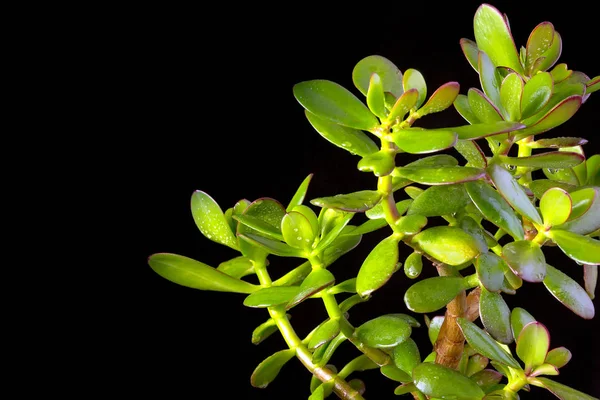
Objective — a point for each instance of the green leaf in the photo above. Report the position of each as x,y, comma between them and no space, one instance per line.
471,151
260,226
411,224
210,220
441,176
495,316
378,267
470,51
438,381
532,345
413,265
559,357
271,296
196,275
438,160
558,115
490,271
395,374
413,79
383,332
540,40
495,209
582,249
405,388
590,279
493,37
593,85
403,105
316,281
300,194
441,99
347,286
560,72
476,364
264,330
406,356
563,392
422,141
324,353
434,328
536,94
511,92
449,245
378,213
519,317
558,142
463,107
391,77
267,210
555,206
324,334
471,132
482,107
297,231
353,140
237,267
490,78
585,214
551,55
272,246
354,202
484,344
554,159
526,260
470,226
487,380
268,370
513,193
431,294
340,246
568,292
440,200
540,186
310,216
333,102
593,169
380,163
375,97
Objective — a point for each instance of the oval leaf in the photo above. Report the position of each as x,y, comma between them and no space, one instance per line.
300,194
413,265
268,370
582,249
271,296
333,102
441,99
438,381
555,206
519,317
490,78
526,260
237,267
470,51
269,211
271,246
380,163
264,330
403,105
413,79
540,40
563,392
558,115
532,345
378,267
490,271
383,332
585,214
391,77
559,357
495,316
410,224
316,281
440,200
422,141
555,159
482,343
211,221
395,374
536,94
324,333
297,230
440,176
511,92
448,244
406,356
354,202
568,292
539,186
471,151
375,97
431,294
464,109
196,275
482,107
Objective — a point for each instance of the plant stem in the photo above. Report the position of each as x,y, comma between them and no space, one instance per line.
524,151
340,387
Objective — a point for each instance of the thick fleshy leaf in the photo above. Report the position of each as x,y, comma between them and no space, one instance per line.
540,41
585,215
378,213
264,330
582,249
406,356
396,374
272,246
267,210
555,206
559,357
513,192
563,392
558,142
316,281
568,292
411,224
464,109
536,94
593,169
413,265
297,231
300,194
353,140
431,294
532,345
260,226
493,37
484,110
347,286
551,55
450,245
490,271
196,275
471,151
441,99
211,221
495,208
375,97
487,379
403,105
268,370
562,175
554,159
469,225
590,279
271,296
490,78
434,328
324,333
519,317
295,276
440,176
391,77
471,132
310,216
470,51
333,102
438,381
438,160
511,92
422,141
540,186
482,343
476,364
495,316
405,388
558,115
354,202
383,332
340,246
440,200
381,163
560,73
413,79
378,267
526,260
237,267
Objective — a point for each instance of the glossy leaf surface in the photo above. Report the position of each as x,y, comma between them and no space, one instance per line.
495,316
564,392
511,92
413,79
555,206
300,194
237,267
316,281
558,142
260,226
264,330
413,265
381,163
539,41
411,224
431,294
268,370
484,344
558,115
519,317
559,357
526,260
391,77
471,151
482,107
490,78
585,214
438,381
271,246
476,131
406,356
449,245
354,202
297,230
554,159
441,99
440,200
490,271
532,345
324,333
419,141
461,104
378,267
569,292
267,210
384,332
582,249
210,220
441,176
403,105
536,94
271,296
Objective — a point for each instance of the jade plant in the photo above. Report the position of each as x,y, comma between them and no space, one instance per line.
481,218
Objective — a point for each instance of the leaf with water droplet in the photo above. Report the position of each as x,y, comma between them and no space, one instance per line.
413,265
470,51
354,202
267,210
490,78
569,292
482,107
558,115
422,141
431,294
268,370
403,105
511,92
582,249
450,245
482,343
440,176
316,281
440,200
383,332
553,159
539,41
471,151
438,381
441,99
272,246
391,77
495,316
376,97
210,220
413,79
378,267
536,94
490,271
462,106
411,224
519,317
526,259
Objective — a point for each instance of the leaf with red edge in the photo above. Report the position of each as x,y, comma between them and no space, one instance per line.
441,99
482,107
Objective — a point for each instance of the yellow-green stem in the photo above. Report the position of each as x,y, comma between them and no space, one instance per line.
524,151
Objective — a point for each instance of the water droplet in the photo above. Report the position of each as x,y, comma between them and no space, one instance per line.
299,238
295,229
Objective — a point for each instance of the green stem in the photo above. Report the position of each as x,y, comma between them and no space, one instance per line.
524,151
540,238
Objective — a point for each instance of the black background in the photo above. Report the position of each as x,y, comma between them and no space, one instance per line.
209,97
